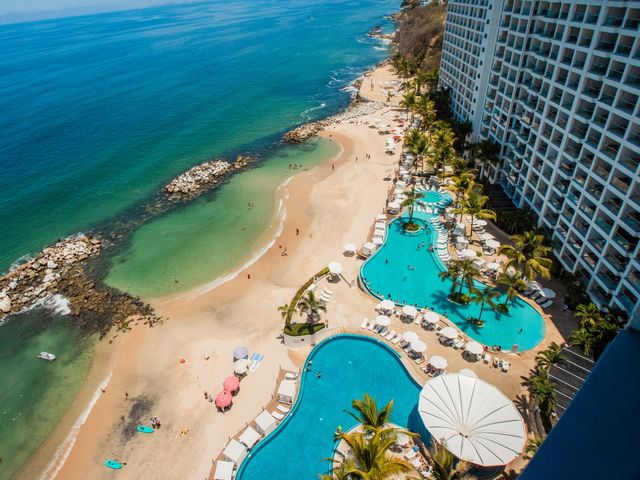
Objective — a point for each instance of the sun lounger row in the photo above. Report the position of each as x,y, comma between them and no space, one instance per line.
326,295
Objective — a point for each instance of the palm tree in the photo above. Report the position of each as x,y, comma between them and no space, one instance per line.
444,464
529,253
589,314
367,413
468,273
310,305
284,311
550,356
426,108
463,184
409,102
417,144
532,446
544,393
513,283
442,143
452,273
369,458
485,296
473,205
582,338
412,199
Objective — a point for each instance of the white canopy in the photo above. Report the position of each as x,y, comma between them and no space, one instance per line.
493,266
438,362
265,423
383,320
479,262
468,373
479,223
460,240
449,332
485,236
533,285
548,293
249,437
492,244
241,366
286,391
377,241
474,348
419,346
349,248
224,470
410,337
473,419
387,305
467,252
335,268
240,352
410,311
431,317
235,451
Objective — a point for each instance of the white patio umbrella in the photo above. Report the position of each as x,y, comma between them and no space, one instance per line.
479,223
410,337
492,244
431,317
419,346
335,268
474,419
449,332
467,252
485,236
469,373
349,248
387,305
493,266
474,348
240,352
548,293
533,285
479,262
383,320
409,311
438,362
241,366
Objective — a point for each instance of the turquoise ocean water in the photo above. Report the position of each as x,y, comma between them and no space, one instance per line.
98,112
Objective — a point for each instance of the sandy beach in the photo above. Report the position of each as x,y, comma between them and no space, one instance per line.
326,208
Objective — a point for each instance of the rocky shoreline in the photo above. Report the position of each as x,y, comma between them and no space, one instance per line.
202,177
61,269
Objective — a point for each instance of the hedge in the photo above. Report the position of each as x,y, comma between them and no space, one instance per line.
301,290
298,329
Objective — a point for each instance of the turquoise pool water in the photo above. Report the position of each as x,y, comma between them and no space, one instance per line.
387,275
351,366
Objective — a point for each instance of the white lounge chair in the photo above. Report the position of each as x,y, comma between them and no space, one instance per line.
327,291
504,366
411,454
396,339
283,409
487,358
291,375
390,335
371,325
277,415
364,324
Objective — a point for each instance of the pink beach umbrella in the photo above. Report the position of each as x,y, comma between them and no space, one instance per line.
231,384
224,399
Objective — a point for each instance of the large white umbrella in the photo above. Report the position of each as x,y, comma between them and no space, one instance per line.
479,223
431,317
383,320
409,311
467,252
449,332
387,305
493,266
479,262
419,346
548,293
438,362
349,248
474,348
335,268
241,366
485,236
410,337
240,352
473,419
492,244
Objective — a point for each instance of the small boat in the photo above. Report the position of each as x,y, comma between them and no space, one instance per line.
50,357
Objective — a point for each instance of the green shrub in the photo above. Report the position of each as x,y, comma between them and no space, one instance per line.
299,329
301,290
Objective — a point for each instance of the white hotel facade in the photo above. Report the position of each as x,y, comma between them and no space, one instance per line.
557,84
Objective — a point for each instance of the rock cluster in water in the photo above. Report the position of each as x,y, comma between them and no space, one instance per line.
202,177
61,270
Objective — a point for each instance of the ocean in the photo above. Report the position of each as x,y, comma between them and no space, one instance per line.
98,112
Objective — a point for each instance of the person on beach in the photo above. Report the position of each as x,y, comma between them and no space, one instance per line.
297,232
248,276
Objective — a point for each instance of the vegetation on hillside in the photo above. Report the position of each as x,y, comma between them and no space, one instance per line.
420,32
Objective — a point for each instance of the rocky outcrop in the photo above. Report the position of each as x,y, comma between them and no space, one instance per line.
203,177
61,270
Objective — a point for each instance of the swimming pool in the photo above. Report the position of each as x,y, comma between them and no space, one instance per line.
351,365
402,272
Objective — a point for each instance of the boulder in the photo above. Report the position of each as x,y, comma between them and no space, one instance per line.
5,305
52,265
